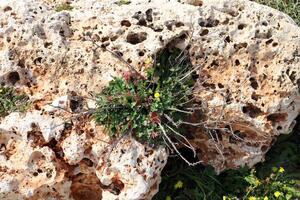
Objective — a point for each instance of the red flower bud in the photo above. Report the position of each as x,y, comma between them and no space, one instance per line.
127,75
154,117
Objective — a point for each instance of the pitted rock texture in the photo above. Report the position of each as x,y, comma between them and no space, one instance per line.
80,163
248,81
247,58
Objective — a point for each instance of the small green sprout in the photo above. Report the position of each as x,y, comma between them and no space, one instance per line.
123,2
63,6
10,101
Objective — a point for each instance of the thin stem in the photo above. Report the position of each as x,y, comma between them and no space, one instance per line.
175,148
178,110
190,146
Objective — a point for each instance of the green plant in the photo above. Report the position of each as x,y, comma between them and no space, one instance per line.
151,108
273,187
180,182
202,183
284,153
290,7
123,2
63,6
10,101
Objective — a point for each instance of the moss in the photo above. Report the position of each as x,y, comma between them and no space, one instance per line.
63,6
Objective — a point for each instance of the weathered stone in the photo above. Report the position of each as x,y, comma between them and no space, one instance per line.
130,169
248,59
250,64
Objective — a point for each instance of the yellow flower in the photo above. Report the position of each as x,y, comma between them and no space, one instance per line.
156,95
178,185
277,194
257,182
168,197
148,61
266,198
252,198
281,170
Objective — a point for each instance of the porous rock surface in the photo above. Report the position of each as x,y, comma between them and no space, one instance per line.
247,57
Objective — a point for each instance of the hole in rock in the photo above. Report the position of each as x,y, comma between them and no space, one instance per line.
21,63
227,39
169,24
264,148
88,162
158,28
277,117
104,39
142,22
292,76
220,85
149,13
254,96
141,53
240,45
204,32
253,83
125,23
37,60
241,26
209,23
7,8
269,41
251,110
105,44
115,187
209,85
136,38
53,144
225,22
49,173
179,24
75,105
86,187
13,77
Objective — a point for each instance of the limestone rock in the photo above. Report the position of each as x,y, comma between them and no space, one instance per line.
248,81
247,56
129,172
78,163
